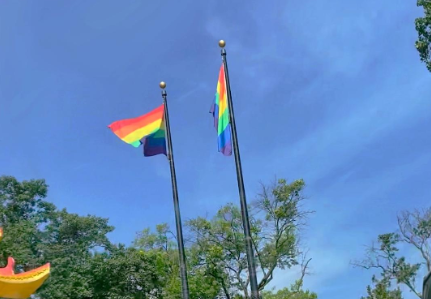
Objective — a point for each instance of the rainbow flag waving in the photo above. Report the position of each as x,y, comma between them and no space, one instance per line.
220,111
148,129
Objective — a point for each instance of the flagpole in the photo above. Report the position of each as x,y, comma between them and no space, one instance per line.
244,210
183,269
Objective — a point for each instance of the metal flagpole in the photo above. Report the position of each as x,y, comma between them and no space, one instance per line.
183,268
427,287
244,210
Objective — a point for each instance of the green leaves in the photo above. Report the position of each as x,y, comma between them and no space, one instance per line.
413,233
382,290
162,250
127,273
218,244
68,243
216,255
294,292
85,264
385,258
423,27
23,201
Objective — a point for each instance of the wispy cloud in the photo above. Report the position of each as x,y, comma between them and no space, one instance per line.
184,96
332,92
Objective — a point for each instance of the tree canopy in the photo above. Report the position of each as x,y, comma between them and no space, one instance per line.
423,27
85,264
382,290
218,244
414,231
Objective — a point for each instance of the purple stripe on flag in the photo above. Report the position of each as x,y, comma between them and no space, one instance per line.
154,146
225,139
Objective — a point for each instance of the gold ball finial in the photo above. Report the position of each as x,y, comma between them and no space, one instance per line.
162,85
222,43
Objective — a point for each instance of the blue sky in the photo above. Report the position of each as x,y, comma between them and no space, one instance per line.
330,91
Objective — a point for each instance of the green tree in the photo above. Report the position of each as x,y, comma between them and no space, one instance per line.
84,264
69,243
295,291
423,27
218,244
22,211
289,293
161,245
414,230
127,273
382,290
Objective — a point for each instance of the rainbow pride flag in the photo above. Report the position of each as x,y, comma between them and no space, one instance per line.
148,130
220,111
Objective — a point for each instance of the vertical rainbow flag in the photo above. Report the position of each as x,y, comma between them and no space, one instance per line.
148,130
220,111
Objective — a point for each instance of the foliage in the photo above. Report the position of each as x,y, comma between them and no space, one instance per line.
423,27
161,244
414,232
382,290
218,244
68,243
294,292
127,273
85,264
22,211
37,233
